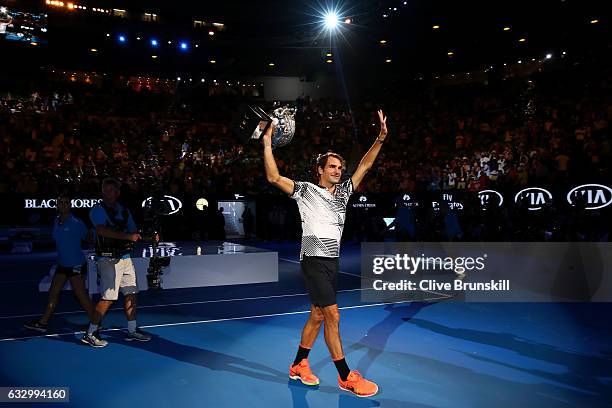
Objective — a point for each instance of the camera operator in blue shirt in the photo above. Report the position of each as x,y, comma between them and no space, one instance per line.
116,233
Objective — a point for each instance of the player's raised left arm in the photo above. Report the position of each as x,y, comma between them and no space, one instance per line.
368,159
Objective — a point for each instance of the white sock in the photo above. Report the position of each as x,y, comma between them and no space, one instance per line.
92,328
131,326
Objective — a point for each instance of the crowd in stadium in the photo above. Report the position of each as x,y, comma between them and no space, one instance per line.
546,131
467,138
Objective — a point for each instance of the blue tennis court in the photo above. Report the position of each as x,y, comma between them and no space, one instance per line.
230,346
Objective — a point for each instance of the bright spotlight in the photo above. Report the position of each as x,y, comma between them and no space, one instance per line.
122,38
184,46
548,56
154,42
331,20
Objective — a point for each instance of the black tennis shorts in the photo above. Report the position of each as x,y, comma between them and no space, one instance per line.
70,271
321,279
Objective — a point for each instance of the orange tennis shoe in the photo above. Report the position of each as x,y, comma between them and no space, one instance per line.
302,372
358,385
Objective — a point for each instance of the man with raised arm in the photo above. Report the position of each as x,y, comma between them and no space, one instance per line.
322,209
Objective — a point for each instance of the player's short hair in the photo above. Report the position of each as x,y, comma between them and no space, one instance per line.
322,160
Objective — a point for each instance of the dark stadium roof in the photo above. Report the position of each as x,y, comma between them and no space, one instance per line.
257,34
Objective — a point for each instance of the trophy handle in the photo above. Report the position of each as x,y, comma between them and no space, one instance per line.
260,112
263,117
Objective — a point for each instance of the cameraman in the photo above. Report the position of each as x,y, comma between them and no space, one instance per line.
115,234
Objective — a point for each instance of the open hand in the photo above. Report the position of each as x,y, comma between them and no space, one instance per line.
383,124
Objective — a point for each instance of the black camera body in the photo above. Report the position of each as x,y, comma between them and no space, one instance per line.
155,269
154,210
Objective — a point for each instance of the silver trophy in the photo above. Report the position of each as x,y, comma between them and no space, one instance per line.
252,122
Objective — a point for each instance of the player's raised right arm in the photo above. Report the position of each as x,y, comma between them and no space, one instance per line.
283,183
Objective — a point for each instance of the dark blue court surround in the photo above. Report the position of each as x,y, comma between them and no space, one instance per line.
231,346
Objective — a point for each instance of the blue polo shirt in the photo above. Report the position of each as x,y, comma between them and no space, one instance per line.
68,236
98,216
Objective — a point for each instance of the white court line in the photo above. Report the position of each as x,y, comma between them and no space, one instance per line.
215,320
186,303
211,301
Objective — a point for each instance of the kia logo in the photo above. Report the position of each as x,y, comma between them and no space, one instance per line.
171,205
534,198
490,197
590,196
363,199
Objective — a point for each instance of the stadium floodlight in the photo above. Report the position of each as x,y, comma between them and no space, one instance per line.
331,20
